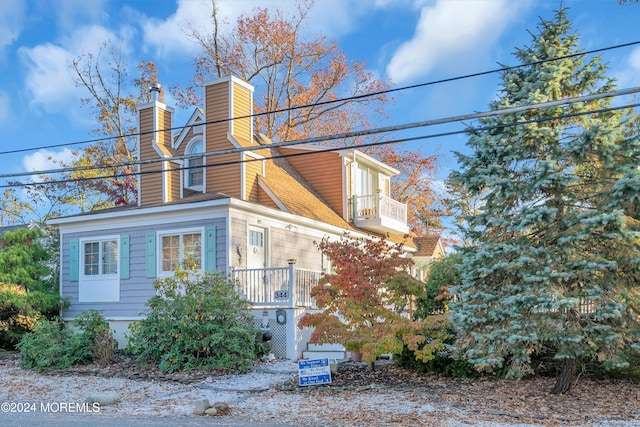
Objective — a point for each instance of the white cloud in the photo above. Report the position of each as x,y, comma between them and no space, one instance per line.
449,30
50,79
168,37
42,160
630,76
12,14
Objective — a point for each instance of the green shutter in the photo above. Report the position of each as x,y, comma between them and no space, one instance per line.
74,255
151,254
124,256
210,249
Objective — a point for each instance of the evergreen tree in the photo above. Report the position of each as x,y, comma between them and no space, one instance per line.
23,260
553,264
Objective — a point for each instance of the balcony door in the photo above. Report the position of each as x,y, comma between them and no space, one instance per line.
367,180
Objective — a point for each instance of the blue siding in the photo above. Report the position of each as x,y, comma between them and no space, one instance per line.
136,290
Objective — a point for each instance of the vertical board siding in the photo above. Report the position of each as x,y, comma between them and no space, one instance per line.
138,288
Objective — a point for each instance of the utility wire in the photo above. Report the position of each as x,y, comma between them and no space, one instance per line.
352,98
346,135
332,149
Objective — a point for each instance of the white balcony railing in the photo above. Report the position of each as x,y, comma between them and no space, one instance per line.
277,287
379,212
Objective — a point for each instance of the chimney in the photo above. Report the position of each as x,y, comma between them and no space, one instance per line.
159,181
154,90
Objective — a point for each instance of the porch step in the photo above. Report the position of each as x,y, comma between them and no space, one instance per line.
321,351
314,354
325,347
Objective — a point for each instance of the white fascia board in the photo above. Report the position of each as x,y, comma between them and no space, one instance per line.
227,79
256,210
197,114
156,104
143,215
359,155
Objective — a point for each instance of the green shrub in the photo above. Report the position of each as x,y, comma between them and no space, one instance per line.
50,345
20,310
195,323
104,344
445,362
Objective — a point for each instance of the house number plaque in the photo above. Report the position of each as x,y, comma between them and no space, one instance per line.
281,295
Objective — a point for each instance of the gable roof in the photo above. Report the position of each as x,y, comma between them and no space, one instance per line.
293,193
427,245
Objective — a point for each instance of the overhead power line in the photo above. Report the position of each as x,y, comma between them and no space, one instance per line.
346,135
351,98
363,145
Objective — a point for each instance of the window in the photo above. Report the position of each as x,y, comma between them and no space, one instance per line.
98,264
256,238
195,170
181,250
100,257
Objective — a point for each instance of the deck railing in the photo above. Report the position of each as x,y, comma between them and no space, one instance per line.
378,206
277,286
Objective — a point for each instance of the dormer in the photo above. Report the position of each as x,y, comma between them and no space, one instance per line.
188,143
170,166
354,184
369,195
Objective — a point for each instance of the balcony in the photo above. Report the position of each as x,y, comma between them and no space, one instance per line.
379,213
282,287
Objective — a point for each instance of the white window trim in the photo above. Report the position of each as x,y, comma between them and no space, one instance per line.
164,274
98,287
187,151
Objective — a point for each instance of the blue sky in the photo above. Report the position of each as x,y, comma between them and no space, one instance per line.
411,41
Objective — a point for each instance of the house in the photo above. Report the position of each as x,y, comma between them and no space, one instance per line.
253,211
14,228
429,249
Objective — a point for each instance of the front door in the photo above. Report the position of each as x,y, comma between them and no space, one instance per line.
256,251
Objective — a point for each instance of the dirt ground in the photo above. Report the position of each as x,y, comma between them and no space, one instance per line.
359,396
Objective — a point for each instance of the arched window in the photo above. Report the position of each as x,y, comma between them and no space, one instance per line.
195,170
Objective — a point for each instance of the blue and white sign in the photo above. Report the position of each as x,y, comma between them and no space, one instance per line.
314,372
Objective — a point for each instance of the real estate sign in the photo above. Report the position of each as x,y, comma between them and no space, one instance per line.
314,372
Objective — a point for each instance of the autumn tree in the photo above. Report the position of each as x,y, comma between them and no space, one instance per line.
306,87
553,264
365,303
113,98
